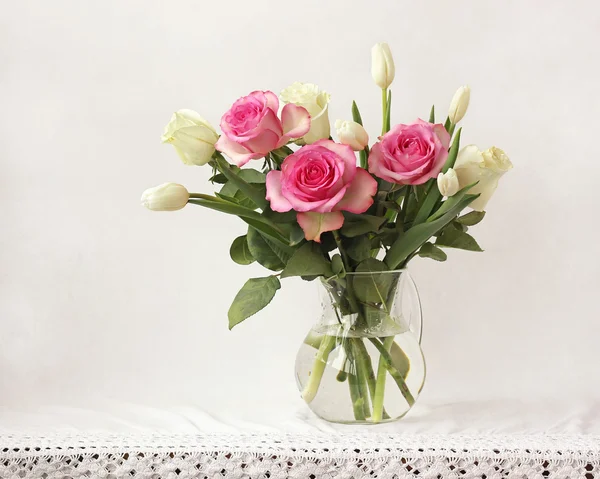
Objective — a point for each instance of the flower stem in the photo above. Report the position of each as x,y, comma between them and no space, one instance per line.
384,107
380,384
362,376
367,366
385,360
314,380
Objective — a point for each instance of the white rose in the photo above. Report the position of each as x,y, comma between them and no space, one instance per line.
382,65
165,197
459,104
486,167
316,102
352,134
192,136
448,183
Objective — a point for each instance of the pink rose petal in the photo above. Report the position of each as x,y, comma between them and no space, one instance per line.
314,224
359,196
274,196
295,120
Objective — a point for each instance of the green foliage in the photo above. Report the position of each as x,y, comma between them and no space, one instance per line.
248,215
432,114
254,296
374,285
416,236
429,250
337,266
472,218
235,177
308,260
433,194
451,202
356,113
359,248
239,251
268,253
454,238
219,178
355,225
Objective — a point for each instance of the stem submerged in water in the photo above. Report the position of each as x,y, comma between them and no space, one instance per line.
387,363
312,386
380,385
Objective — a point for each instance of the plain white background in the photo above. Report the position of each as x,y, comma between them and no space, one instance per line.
101,299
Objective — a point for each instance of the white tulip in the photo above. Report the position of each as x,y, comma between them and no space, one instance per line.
382,65
459,104
486,167
192,136
165,197
448,183
316,103
352,134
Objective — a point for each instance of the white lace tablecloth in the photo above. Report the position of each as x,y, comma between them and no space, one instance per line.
464,440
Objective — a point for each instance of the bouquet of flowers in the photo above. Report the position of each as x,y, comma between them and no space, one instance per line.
320,208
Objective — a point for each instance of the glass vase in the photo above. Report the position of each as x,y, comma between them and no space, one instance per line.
362,363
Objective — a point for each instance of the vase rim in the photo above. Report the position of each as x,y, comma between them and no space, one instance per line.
361,273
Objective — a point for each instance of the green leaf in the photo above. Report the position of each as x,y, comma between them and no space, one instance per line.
308,260
374,284
359,249
451,202
416,236
337,266
433,194
432,114
472,218
453,238
254,296
276,217
232,193
429,250
219,178
267,230
255,194
356,114
400,360
248,215
268,253
447,124
453,152
239,251
252,176
355,225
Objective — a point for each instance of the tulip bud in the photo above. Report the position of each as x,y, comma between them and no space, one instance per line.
459,104
448,183
352,134
382,65
192,136
165,197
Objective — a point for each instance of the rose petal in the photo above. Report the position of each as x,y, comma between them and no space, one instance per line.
295,120
272,101
359,195
344,152
442,134
274,196
314,224
263,143
235,151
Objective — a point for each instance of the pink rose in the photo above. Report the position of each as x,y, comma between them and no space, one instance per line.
319,181
410,154
251,128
